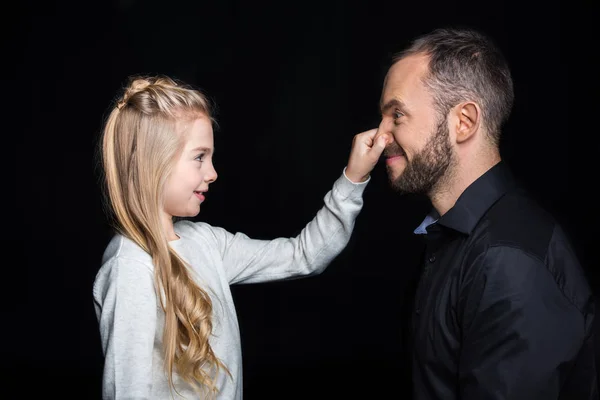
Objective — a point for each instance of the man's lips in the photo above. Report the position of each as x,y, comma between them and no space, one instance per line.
394,152
394,158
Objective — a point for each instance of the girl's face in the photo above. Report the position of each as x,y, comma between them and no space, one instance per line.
192,173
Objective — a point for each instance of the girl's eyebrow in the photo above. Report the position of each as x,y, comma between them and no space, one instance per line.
201,148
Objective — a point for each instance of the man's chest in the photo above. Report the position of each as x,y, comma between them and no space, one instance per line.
436,315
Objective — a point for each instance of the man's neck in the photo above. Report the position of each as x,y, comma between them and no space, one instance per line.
458,179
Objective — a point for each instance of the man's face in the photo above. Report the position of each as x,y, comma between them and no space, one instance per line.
421,152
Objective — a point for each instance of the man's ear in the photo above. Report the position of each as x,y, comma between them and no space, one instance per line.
468,119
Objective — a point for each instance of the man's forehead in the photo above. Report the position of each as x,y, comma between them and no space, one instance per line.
411,68
403,77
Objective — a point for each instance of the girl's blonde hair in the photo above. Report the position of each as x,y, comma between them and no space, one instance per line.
140,144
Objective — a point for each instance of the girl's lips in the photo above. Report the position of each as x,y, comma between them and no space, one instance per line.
200,196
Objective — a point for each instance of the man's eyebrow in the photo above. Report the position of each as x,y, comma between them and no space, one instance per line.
392,103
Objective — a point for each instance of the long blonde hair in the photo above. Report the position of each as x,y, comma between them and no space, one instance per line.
139,146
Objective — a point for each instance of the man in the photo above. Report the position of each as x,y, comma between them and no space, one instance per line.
502,309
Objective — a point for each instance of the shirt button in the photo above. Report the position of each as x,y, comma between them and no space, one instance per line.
432,258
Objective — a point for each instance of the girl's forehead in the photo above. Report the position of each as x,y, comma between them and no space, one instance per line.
198,133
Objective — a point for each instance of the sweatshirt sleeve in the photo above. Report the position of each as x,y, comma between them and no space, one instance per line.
249,260
125,303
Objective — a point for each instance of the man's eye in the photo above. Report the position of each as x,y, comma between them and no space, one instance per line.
397,114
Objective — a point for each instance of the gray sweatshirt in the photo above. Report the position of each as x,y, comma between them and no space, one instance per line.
130,316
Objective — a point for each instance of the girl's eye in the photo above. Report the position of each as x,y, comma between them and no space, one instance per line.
200,157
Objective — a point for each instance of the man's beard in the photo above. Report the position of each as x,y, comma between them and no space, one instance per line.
424,172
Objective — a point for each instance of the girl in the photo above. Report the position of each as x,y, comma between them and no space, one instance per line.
162,297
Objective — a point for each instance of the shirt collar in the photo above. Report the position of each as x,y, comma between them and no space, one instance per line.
474,202
430,219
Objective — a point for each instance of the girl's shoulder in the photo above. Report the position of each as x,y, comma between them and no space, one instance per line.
198,230
123,263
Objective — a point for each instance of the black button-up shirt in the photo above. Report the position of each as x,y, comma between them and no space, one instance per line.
502,308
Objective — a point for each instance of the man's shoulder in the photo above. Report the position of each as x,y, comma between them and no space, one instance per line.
517,220
519,223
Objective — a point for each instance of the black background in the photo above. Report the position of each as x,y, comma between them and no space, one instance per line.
293,82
